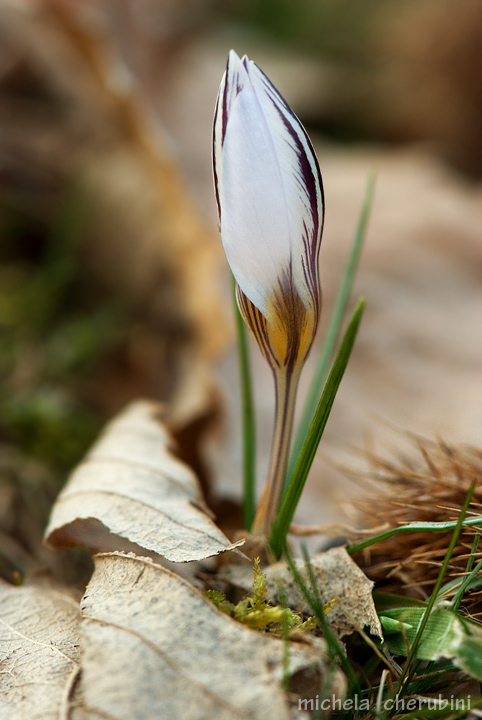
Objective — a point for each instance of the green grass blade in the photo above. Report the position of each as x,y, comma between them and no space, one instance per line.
429,526
295,488
452,587
470,581
249,427
438,585
455,604
315,603
471,560
470,576
333,330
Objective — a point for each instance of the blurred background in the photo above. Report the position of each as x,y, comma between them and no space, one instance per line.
113,284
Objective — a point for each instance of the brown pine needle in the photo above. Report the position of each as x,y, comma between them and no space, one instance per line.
430,489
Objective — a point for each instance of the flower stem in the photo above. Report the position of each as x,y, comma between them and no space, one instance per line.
286,383
249,429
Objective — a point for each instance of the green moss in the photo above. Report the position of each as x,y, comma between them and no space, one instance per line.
256,612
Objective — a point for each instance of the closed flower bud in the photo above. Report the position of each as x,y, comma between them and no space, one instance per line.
270,203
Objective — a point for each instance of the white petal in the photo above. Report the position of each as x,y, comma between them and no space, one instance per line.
302,181
254,211
232,82
269,187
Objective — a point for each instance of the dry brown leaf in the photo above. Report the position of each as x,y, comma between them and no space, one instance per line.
181,657
338,578
131,488
39,656
142,241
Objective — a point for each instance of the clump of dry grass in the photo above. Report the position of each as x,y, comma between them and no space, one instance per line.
429,488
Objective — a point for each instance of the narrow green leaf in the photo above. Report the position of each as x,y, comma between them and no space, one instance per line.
315,603
249,428
392,625
452,587
419,636
471,560
333,330
307,454
410,527
470,580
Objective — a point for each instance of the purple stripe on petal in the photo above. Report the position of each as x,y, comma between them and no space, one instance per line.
270,202
312,186
310,171
215,172
225,101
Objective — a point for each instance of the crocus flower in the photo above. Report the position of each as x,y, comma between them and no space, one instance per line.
270,202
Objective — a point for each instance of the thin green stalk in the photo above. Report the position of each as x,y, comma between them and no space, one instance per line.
315,603
286,383
249,427
333,330
430,526
292,496
455,604
471,560
438,585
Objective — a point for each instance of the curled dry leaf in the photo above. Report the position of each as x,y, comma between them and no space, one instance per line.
131,489
90,147
338,578
39,656
181,657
